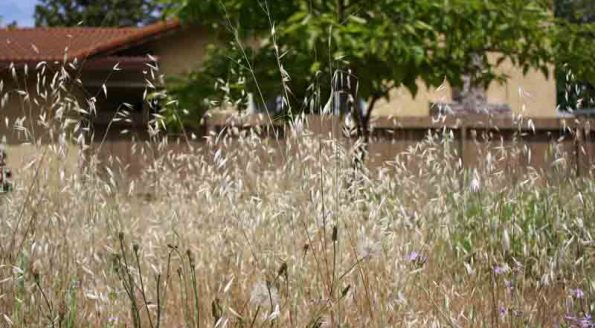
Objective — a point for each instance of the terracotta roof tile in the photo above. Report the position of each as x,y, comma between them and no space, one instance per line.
50,44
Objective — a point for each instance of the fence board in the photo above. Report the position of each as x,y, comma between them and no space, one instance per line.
536,140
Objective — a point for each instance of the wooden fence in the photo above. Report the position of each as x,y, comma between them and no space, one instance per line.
536,142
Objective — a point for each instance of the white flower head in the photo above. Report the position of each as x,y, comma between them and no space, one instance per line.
264,295
367,249
326,322
475,184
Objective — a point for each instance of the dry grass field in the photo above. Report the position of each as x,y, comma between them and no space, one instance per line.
246,234
230,238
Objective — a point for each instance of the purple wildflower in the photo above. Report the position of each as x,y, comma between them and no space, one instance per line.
585,321
509,285
500,269
502,311
412,256
578,293
417,258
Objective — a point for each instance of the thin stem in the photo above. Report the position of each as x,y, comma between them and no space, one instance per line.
161,308
255,315
142,287
158,301
47,302
195,290
135,314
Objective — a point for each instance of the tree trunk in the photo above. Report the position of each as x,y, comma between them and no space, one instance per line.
363,131
472,96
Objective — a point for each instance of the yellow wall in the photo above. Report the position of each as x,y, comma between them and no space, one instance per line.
531,95
402,103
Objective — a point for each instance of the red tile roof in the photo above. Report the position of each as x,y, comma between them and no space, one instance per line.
32,45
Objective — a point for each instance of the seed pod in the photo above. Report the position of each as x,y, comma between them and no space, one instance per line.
345,291
190,257
35,270
505,240
282,270
216,309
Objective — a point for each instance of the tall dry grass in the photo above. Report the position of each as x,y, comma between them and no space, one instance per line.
241,232
229,237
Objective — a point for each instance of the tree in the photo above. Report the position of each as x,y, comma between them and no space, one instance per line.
382,44
12,24
116,13
575,74
576,11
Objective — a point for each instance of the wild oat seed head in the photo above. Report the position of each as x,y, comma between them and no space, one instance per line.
367,249
475,184
264,295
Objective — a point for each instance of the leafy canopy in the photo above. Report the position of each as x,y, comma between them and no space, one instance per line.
12,24
296,46
113,13
576,73
576,11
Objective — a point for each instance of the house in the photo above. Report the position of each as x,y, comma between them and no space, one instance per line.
92,54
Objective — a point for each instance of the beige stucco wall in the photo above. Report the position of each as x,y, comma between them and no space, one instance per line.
25,147
182,51
402,103
19,107
26,158
532,95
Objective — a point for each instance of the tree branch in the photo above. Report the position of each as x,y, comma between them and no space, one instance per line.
369,109
340,11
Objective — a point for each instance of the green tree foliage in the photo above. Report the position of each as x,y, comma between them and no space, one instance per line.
12,24
117,13
383,44
575,73
576,11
